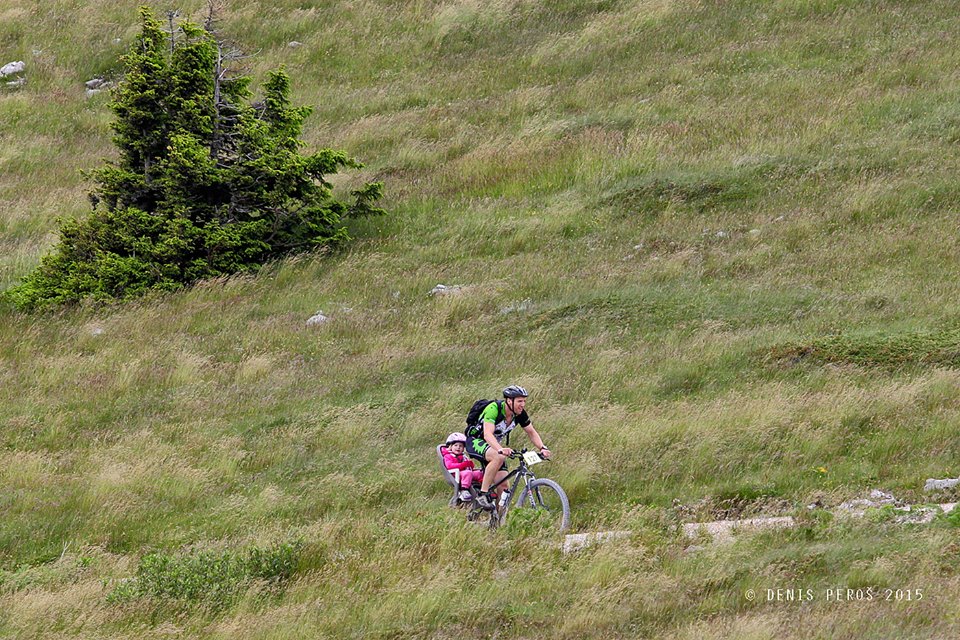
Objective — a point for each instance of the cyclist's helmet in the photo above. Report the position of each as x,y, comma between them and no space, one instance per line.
515,391
455,437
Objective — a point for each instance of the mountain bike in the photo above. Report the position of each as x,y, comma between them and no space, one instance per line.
546,496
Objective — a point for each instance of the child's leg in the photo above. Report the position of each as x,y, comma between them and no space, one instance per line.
466,477
476,476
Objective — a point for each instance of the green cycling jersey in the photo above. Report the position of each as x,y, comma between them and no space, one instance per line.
495,414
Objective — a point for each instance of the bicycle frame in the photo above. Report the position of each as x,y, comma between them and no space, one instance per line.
530,492
521,472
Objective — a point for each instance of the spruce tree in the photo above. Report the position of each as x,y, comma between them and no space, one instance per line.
205,184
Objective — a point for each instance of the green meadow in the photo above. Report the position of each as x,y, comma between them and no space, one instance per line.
717,240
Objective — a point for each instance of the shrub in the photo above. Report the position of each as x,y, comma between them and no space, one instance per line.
212,578
205,184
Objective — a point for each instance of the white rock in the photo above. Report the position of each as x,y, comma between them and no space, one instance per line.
294,44
722,234
933,484
578,541
858,506
856,503
19,82
92,92
754,232
722,530
96,331
882,497
94,83
779,219
11,68
919,515
317,319
444,290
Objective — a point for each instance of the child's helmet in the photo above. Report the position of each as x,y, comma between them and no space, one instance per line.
455,437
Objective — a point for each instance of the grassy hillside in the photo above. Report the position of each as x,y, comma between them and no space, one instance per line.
717,240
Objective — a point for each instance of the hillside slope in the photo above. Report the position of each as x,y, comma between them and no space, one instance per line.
717,240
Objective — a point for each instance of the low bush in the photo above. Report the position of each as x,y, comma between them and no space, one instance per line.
211,578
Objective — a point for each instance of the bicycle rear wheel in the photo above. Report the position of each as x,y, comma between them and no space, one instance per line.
551,501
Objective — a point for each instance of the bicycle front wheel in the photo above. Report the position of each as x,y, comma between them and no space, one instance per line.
549,499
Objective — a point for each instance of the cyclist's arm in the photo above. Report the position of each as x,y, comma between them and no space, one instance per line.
534,437
491,440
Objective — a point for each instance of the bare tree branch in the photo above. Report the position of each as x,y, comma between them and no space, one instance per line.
172,15
214,9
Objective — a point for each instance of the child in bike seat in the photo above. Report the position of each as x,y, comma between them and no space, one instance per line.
455,458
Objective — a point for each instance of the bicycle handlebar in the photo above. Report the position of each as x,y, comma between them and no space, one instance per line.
519,454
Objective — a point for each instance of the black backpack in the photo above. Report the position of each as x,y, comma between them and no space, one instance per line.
473,416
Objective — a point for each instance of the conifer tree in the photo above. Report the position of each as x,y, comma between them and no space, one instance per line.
205,184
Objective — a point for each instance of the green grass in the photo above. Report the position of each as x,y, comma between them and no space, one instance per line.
879,348
730,227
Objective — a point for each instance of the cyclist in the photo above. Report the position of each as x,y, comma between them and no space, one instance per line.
483,439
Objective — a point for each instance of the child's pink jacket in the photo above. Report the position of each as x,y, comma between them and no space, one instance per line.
451,461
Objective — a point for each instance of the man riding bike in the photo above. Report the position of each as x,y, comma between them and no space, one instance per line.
483,439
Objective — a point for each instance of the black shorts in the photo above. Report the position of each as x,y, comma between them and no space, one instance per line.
477,449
